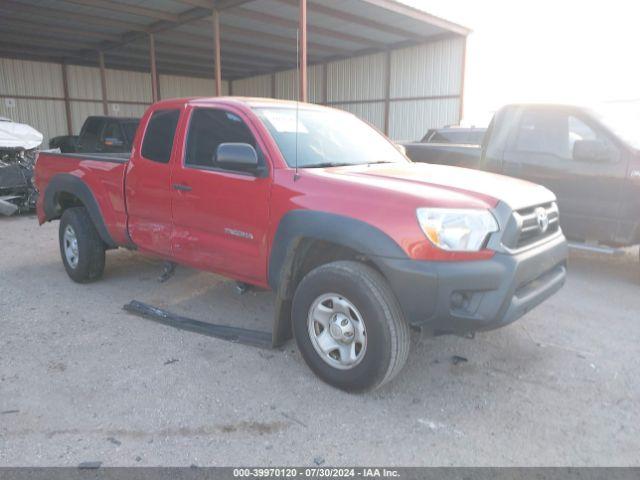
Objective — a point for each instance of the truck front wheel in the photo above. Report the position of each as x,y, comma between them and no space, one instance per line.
349,327
81,247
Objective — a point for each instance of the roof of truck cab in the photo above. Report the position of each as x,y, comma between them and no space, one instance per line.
119,119
253,102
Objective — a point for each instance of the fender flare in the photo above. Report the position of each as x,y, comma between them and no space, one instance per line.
298,225
346,231
66,183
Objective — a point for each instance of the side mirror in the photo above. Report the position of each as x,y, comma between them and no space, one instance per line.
590,151
237,156
113,142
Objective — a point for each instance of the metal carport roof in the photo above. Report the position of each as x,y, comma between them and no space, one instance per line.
257,36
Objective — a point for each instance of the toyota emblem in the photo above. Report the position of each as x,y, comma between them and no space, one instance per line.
542,218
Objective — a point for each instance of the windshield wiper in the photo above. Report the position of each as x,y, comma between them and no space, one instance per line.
327,164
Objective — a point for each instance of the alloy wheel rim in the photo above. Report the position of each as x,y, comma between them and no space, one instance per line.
70,242
337,331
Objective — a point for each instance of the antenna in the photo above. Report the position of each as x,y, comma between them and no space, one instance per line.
295,175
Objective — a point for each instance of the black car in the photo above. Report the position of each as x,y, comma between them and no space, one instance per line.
454,134
99,135
590,158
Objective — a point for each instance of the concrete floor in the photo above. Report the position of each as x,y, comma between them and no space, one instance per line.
81,380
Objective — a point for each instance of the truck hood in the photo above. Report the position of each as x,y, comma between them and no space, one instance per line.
18,135
478,185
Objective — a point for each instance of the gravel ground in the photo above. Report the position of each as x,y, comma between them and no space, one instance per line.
81,380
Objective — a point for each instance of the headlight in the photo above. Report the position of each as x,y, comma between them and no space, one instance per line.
463,230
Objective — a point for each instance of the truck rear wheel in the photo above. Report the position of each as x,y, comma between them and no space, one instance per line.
81,248
349,327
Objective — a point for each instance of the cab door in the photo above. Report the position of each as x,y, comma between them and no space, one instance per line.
220,216
588,191
148,184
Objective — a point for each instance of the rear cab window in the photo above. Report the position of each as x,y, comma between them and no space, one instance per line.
112,130
159,135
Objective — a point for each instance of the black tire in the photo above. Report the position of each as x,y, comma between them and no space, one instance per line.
91,248
387,333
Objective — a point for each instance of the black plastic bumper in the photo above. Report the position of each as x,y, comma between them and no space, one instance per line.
463,297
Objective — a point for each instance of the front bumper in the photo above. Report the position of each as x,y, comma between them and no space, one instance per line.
464,297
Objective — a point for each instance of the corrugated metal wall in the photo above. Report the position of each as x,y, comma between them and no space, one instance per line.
21,79
425,85
425,88
174,86
129,93
260,86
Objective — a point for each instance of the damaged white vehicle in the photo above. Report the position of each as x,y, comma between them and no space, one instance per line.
18,150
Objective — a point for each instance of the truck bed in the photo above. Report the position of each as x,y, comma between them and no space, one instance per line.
458,155
100,157
103,174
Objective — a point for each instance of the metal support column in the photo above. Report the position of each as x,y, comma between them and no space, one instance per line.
325,83
155,93
302,49
464,63
387,90
216,51
67,104
103,84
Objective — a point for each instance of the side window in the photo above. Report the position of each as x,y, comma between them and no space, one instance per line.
543,131
92,127
158,138
579,130
209,128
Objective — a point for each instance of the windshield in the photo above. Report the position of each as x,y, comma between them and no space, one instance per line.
130,129
326,138
623,119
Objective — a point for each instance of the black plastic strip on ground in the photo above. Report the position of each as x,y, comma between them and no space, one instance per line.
254,338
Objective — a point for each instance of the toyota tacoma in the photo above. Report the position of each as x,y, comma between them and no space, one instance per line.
358,243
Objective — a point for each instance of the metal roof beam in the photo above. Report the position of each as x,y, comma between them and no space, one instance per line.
135,57
211,4
69,46
293,25
316,7
417,14
166,48
20,26
21,51
57,56
279,39
163,69
179,57
131,52
44,13
112,6
188,38
197,3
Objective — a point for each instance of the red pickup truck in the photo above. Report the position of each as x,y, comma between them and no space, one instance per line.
358,242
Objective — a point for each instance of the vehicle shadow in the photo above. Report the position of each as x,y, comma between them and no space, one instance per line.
437,367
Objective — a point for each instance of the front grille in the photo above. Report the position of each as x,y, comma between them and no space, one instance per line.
531,223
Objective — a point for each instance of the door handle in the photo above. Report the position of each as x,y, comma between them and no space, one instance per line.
181,188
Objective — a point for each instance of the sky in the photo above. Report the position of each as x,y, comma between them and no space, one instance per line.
561,51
